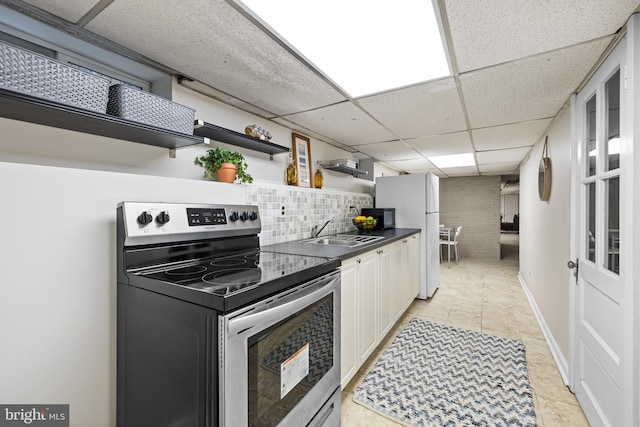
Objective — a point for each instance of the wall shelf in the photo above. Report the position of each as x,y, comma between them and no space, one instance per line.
340,166
238,139
19,106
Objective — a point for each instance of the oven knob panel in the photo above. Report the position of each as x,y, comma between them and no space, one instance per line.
244,216
163,218
253,216
233,216
145,218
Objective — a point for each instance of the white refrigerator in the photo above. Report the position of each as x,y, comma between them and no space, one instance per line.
416,200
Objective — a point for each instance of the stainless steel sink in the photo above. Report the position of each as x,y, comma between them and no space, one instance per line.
347,240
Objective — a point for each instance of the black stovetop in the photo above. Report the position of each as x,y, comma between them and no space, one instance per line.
228,282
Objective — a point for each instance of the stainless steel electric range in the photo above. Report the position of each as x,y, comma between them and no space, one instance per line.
213,331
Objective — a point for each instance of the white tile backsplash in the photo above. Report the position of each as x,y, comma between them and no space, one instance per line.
289,213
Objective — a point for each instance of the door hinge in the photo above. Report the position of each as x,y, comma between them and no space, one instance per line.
625,77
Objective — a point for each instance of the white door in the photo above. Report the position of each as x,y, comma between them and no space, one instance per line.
601,371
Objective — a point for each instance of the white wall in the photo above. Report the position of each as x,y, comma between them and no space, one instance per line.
260,166
36,144
57,298
544,234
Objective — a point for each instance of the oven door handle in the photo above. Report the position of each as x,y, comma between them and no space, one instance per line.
274,314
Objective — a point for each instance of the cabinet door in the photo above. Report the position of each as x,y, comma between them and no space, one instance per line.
385,315
366,283
349,361
413,269
397,280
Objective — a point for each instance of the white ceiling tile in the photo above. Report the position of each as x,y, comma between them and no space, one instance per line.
415,164
344,123
392,150
499,168
461,171
496,31
210,41
418,171
307,132
523,134
427,109
528,89
214,93
440,145
70,10
511,155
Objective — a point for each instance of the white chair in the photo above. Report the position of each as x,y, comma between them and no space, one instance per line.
450,243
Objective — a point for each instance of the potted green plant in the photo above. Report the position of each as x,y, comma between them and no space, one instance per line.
219,162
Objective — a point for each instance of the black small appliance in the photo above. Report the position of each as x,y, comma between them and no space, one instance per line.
386,217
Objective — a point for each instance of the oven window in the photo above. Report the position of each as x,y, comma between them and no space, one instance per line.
287,360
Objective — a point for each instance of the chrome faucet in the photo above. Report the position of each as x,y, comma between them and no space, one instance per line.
315,227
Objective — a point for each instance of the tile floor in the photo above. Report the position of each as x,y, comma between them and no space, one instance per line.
484,296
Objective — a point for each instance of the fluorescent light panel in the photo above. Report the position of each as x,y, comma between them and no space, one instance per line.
453,160
364,46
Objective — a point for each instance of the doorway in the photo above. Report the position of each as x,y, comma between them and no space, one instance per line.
510,217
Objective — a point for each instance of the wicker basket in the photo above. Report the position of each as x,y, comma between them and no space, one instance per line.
37,75
144,107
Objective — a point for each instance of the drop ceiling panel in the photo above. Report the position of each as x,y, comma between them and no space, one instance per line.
211,42
392,150
427,109
492,32
414,164
70,10
523,134
461,171
226,98
528,89
440,145
310,133
344,123
423,171
499,168
502,156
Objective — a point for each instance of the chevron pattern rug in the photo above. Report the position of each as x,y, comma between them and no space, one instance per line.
437,375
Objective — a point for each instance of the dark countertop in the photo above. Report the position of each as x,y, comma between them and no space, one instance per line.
299,247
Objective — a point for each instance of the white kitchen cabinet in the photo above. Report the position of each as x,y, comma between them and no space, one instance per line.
376,289
385,292
349,362
366,294
398,279
405,274
413,266
358,310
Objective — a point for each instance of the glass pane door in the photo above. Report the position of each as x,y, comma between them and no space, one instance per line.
601,181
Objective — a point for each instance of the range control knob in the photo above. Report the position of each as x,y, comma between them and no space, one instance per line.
163,217
253,216
233,216
145,218
244,216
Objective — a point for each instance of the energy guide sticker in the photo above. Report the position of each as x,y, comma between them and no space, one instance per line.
293,370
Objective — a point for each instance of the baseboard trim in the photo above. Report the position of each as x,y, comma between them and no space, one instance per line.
558,357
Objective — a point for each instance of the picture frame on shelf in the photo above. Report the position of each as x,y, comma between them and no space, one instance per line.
302,159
